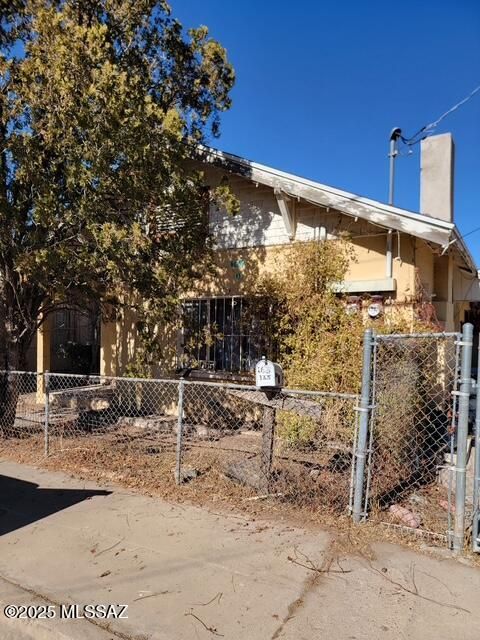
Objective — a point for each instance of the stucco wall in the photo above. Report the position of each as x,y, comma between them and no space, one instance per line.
255,241
120,343
237,269
424,261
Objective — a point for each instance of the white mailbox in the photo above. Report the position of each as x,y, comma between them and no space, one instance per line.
268,375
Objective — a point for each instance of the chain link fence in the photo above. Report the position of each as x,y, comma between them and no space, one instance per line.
291,445
22,409
295,446
412,431
121,427
124,426
399,453
476,469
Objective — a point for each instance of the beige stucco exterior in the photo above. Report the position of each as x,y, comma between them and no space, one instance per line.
238,268
256,241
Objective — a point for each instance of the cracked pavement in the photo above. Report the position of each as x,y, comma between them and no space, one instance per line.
188,573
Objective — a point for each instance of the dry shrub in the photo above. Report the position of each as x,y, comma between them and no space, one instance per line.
294,430
319,344
334,425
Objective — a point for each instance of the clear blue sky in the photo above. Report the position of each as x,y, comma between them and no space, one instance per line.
320,84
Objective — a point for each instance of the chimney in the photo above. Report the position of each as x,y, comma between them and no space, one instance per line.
436,176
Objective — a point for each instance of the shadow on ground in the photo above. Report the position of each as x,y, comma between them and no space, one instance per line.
22,502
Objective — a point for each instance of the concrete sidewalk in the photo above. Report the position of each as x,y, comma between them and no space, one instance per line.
189,573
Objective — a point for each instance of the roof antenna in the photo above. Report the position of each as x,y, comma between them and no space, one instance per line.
394,136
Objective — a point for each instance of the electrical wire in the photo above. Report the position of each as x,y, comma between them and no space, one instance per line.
432,125
470,232
449,244
429,128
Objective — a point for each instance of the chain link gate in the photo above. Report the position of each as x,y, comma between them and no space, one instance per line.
412,467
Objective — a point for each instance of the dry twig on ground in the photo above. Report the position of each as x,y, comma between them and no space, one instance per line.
414,590
212,630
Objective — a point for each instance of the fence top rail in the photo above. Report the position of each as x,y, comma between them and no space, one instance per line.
24,373
403,336
92,376
284,390
175,381
89,377
323,394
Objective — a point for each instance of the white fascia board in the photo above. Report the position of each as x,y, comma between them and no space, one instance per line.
421,226
366,286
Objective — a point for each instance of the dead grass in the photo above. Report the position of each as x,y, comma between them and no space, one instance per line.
150,470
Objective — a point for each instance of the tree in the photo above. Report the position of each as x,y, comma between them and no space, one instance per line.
100,103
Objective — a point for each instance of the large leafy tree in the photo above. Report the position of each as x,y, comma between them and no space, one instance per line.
100,102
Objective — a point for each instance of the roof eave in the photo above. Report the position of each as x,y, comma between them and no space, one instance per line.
425,227
464,251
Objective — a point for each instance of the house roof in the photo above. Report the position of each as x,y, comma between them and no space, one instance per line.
428,228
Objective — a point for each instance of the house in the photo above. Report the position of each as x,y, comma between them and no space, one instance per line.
400,254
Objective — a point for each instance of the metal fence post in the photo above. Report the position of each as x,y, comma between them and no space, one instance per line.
462,437
476,478
47,412
178,462
266,457
364,409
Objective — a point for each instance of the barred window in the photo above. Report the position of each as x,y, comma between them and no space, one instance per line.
223,334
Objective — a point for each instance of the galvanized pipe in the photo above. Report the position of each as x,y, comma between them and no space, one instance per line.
364,410
386,337
391,187
178,460
47,413
394,135
389,256
476,479
462,437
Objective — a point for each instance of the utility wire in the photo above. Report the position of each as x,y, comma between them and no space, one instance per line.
432,125
445,248
428,129
470,232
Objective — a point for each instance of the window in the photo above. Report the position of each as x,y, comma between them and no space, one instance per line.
75,347
223,334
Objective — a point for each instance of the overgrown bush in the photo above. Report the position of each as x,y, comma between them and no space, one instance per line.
319,344
296,431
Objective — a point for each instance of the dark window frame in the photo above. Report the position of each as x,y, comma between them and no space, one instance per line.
218,334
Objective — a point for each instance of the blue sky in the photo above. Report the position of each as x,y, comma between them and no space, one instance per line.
321,84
